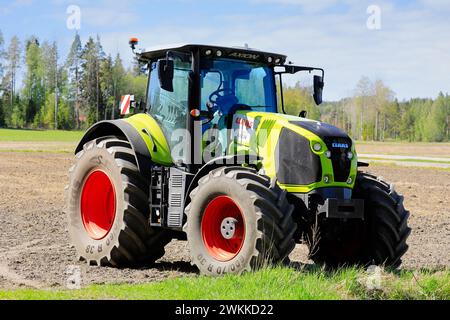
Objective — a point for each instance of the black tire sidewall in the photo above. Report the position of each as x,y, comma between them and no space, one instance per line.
94,157
221,186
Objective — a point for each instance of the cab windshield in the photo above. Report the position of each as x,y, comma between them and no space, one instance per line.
231,85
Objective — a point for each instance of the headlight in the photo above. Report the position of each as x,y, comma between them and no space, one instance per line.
326,179
317,146
219,53
349,180
328,154
350,155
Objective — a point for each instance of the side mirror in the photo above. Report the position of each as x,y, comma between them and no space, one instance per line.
318,89
165,74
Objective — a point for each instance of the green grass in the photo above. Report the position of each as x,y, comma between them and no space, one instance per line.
274,283
40,135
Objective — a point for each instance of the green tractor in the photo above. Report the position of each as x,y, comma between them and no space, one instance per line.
211,157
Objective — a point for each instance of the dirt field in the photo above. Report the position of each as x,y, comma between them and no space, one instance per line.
405,149
35,251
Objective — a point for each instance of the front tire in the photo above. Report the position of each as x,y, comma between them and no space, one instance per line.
379,239
108,208
238,221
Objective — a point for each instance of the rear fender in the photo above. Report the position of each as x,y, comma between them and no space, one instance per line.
145,156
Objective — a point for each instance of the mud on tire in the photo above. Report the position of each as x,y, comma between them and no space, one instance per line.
267,223
130,240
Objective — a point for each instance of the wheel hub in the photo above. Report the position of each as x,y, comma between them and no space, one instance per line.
228,227
98,204
223,228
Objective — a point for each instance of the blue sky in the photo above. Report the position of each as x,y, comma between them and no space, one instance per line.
410,52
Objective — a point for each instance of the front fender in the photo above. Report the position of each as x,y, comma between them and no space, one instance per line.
230,160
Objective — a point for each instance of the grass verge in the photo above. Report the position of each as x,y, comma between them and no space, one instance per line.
40,135
273,283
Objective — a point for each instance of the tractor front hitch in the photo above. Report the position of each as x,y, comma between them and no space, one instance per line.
342,208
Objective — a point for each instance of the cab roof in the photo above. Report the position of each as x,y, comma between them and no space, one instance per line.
238,53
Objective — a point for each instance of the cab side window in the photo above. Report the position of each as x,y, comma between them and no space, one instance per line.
169,109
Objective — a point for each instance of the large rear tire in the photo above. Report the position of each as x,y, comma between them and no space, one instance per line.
238,221
107,207
378,239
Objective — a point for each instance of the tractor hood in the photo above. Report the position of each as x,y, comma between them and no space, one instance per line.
252,120
302,154
320,129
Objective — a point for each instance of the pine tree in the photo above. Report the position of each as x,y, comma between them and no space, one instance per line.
107,84
100,55
2,57
50,82
90,80
66,112
118,77
49,57
33,89
12,64
74,70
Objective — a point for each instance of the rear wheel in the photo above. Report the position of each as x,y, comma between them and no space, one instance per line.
238,220
108,209
378,239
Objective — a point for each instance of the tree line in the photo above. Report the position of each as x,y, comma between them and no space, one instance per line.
86,87
83,89
373,113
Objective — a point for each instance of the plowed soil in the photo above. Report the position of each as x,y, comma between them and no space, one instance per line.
35,249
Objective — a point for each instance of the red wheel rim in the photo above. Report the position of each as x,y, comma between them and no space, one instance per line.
219,209
98,204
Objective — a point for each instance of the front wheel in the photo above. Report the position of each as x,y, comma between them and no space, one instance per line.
378,239
238,220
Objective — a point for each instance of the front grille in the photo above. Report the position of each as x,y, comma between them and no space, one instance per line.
296,164
339,159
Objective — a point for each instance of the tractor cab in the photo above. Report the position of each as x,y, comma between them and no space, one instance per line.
199,85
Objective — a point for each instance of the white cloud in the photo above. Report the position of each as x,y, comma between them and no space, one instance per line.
409,53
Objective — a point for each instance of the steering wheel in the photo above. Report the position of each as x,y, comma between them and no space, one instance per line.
213,97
